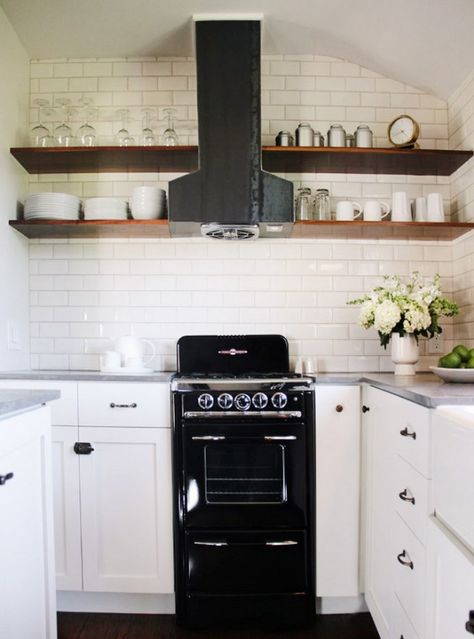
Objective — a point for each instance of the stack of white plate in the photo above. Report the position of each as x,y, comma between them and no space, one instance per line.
148,203
105,208
53,206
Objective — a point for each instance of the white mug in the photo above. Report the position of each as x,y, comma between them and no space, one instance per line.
373,210
434,207
420,209
134,363
109,360
401,210
345,210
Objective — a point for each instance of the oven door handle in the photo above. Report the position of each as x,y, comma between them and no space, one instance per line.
277,438
217,544
219,438
208,438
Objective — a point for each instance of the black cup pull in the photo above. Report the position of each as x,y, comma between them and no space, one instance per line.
406,433
409,563
83,448
5,478
470,623
339,408
114,405
365,409
404,497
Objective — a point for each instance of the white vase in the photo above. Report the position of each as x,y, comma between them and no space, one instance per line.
405,353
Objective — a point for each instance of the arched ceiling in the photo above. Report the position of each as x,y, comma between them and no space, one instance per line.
426,43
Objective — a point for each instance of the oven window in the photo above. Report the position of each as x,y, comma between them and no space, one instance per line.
243,474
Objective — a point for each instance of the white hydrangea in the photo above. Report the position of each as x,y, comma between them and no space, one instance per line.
386,316
416,318
366,317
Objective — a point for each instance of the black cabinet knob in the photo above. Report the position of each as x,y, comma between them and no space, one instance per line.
339,408
470,623
5,478
83,448
365,409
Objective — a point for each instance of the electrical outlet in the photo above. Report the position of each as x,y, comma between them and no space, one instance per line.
436,345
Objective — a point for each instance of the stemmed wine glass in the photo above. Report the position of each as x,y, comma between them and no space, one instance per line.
147,138
170,137
86,133
123,137
63,132
40,134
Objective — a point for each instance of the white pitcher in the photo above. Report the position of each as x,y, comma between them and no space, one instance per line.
133,349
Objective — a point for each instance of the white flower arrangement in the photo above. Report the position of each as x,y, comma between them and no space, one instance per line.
413,307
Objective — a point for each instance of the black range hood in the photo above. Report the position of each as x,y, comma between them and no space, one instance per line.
229,196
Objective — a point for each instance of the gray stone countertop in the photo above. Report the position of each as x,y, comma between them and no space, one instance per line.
425,389
12,400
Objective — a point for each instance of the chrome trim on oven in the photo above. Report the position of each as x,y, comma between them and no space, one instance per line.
218,414
280,437
211,543
213,438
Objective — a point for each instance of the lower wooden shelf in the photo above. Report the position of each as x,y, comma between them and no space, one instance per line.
52,229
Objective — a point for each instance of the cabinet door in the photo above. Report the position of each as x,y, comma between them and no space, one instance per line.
27,598
380,547
67,516
126,510
337,490
450,585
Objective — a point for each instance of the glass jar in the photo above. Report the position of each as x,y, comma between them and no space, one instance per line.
322,208
303,204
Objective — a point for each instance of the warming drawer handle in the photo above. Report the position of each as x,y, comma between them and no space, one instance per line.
5,478
409,563
208,438
406,433
404,496
470,623
277,438
114,405
211,543
287,542
218,544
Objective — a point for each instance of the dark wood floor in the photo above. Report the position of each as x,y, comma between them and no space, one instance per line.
118,626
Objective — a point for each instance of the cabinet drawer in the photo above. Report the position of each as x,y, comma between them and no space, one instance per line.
402,628
124,404
412,434
409,576
64,409
411,497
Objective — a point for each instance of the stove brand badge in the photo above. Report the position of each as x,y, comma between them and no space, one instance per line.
232,351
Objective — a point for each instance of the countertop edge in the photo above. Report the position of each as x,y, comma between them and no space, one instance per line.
14,400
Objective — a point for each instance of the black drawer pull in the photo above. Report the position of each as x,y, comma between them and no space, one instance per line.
408,563
404,497
470,623
114,405
339,408
365,409
5,478
405,433
83,448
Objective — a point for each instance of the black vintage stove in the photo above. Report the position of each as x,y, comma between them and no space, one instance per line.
244,498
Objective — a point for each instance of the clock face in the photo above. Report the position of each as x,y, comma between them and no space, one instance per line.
403,131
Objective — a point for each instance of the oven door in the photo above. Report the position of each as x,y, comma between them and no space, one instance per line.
238,476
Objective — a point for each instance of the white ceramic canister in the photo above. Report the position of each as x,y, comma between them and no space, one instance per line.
363,136
304,135
336,135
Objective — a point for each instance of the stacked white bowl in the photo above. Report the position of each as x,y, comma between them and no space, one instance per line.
148,203
105,208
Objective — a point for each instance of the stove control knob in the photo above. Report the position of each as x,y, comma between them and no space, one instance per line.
260,400
279,400
206,401
225,401
242,401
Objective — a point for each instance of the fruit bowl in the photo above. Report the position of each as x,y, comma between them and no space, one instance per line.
455,375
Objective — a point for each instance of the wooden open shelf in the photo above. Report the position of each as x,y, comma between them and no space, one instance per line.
275,158
159,228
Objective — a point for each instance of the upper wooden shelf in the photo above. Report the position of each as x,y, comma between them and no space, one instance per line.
274,158
318,230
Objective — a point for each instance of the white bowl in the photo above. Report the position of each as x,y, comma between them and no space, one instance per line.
455,375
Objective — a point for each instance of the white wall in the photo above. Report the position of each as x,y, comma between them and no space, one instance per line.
14,89
85,293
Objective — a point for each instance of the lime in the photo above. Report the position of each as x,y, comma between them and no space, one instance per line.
471,353
470,362
462,351
451,360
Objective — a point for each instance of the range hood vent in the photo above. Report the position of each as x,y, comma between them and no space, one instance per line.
230,190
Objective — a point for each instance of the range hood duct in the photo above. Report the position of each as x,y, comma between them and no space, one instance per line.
229,197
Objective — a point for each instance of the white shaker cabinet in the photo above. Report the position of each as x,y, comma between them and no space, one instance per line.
337,490
27,597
